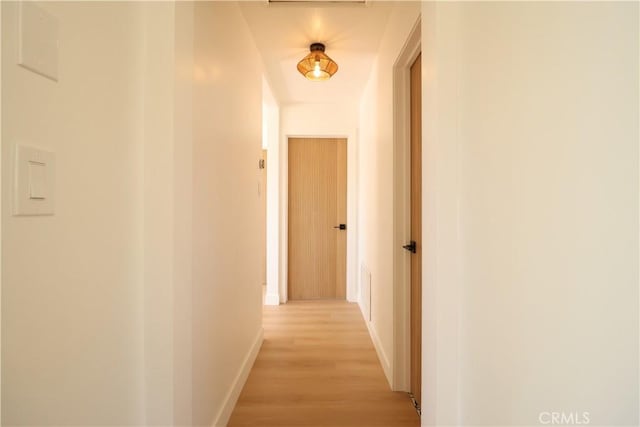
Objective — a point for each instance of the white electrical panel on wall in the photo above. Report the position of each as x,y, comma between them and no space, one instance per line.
34,186
38,40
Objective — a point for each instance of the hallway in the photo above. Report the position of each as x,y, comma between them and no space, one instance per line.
317,367
147,188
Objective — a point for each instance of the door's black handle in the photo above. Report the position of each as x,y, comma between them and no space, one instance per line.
341,226
411,247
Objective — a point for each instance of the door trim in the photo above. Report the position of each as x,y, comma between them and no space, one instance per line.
401,371
1,145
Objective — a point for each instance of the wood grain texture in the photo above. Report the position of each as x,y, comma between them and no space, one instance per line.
416,229
317,202
317,368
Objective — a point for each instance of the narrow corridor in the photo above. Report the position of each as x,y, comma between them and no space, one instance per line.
318,367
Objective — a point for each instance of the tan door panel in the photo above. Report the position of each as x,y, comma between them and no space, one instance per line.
317,204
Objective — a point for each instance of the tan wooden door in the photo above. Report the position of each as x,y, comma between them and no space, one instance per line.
416,229
317,205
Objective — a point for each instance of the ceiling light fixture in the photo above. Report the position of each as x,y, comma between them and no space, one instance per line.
317,65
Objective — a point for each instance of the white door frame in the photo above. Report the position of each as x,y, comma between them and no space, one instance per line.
402,212
1,194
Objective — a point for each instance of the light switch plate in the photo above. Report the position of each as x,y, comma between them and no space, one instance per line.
37,180
34,184
38,40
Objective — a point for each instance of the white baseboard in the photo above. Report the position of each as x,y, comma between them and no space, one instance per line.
238,383
382,356
362,310
272,299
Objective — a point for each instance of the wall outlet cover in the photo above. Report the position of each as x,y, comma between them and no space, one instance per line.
38,40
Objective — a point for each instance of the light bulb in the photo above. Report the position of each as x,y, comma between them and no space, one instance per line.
316,70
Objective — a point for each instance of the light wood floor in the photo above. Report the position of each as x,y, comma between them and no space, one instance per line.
317,368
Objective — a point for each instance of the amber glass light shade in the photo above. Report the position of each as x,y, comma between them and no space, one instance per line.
317,66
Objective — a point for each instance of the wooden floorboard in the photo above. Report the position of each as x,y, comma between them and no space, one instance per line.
317,368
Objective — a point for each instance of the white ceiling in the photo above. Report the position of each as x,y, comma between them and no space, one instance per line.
283,33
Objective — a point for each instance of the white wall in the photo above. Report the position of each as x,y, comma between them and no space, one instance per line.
227,129
139,301
71,288
167,225
376,183
159,216
183,213
530,212
320,120
271,138
203,267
